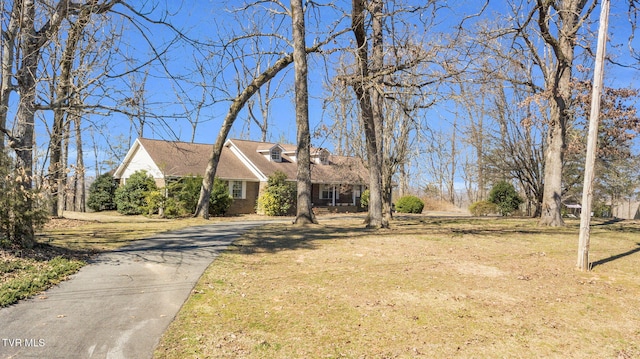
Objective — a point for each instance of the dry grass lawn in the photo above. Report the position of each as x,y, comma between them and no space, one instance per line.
427,288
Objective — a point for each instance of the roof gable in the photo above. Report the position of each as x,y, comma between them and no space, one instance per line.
179,159
137,159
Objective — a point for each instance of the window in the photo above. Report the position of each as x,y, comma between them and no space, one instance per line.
324,157
326,191
276,155
237,189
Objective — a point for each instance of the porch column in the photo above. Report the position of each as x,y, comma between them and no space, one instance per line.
333,197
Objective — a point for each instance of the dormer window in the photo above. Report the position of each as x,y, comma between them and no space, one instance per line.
276,154
320,157
324,157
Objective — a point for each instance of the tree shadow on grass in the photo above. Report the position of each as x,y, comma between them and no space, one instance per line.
616,257
278,237
481,226
43,252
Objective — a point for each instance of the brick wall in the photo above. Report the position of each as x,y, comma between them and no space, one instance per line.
248,204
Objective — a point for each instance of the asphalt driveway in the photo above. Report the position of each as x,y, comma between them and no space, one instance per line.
119,305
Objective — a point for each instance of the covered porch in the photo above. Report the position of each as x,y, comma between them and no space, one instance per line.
337,197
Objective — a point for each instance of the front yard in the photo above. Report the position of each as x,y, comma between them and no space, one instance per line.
428,287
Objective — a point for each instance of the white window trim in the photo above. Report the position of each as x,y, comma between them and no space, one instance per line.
244,189
336,192
275,155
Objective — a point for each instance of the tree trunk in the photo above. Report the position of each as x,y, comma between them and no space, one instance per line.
57,167
55,161
558,85
8,40
22,137
79,179
304,210
552,193
375,216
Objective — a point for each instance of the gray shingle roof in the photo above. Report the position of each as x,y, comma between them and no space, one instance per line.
341,169
178,159
186,159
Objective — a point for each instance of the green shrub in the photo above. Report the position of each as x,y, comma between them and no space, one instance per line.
364,199
185,192
132,197
504,195
183,195
483,208
174,209
154,200
22,210
220,200
102,193
278,197
409,204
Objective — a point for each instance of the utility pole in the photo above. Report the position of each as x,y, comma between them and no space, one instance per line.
592,139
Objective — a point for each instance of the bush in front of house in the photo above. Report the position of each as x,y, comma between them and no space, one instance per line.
186,192
154,201
174,209
102,193
132,197
409,204
364,198
483,208
220,200
278,196
183,195
504,195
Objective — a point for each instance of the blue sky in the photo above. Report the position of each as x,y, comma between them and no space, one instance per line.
200,18
209,21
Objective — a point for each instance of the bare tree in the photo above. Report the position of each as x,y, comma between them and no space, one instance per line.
31,38
304,210
370,110
63,94
558,23
259,106
237,104
393,65
33,25
519,137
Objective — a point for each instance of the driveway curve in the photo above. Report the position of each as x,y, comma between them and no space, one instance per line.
119,305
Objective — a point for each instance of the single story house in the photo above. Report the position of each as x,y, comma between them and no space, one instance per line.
337,181
626,209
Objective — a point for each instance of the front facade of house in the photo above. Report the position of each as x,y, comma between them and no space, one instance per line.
626,209
337,181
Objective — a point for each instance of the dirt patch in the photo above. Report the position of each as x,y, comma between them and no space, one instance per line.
60,223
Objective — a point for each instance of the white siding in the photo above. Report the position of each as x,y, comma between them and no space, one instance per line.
141,161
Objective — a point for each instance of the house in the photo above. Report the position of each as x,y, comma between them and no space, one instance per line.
337,181
626,209
573,209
